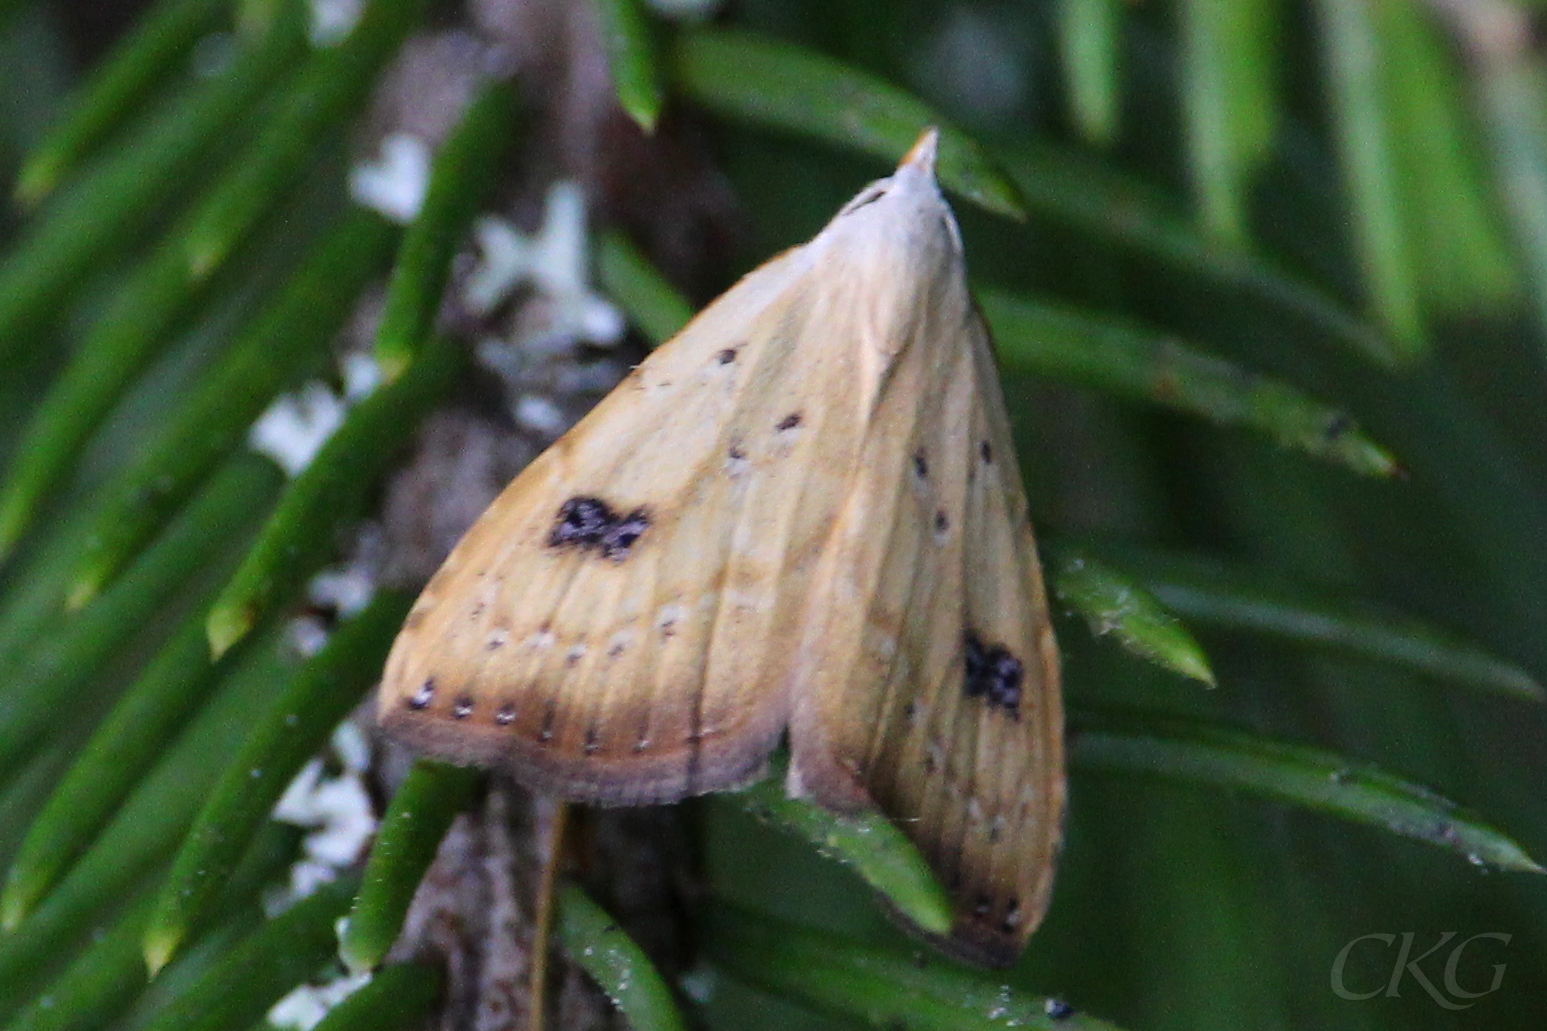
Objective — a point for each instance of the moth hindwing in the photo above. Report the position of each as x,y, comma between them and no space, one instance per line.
801,515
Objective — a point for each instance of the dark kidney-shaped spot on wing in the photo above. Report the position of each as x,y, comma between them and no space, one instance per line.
993,674
590,524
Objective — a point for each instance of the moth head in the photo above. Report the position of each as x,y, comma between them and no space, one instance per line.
915,176
905,212
920,159
914,180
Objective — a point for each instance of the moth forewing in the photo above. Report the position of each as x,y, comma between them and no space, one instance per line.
927,681
802,512
655,672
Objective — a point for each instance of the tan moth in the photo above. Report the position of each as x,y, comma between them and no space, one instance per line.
801,516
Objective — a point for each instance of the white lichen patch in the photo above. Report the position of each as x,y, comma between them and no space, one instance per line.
540,415
346,590
338,812
296,425
505,258
555,262
546,321
351,746
304,1008
308,635
395,183
361,374
340,591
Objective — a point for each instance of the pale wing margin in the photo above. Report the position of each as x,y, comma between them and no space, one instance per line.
655,671
933,557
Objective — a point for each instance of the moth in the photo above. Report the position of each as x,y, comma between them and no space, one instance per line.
801,517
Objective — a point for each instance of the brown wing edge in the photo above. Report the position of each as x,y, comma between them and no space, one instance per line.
713,765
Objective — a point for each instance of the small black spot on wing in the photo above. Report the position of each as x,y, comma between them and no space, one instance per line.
462,708
921,464
993,674
789,422
422,698
590,524
986,451
726,356
736,463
